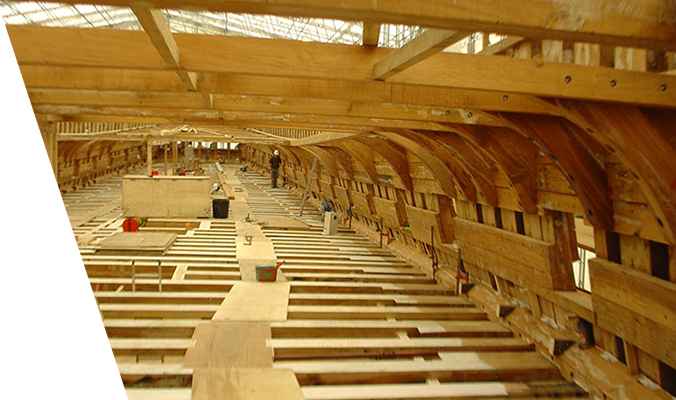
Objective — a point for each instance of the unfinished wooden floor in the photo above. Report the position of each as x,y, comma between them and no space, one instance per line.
360,323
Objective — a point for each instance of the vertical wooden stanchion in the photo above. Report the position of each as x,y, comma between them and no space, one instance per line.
166,159
149,158
174,157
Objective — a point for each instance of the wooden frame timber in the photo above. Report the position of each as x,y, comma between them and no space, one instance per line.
345,63
653,30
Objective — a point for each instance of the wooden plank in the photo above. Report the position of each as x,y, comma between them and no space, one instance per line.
370,299
375,328
535,279
637,24
255,301
138,241
464,390
643,294
453,366
362,203
186,196
579,303
420,48
245,384
157,28
287,349
230,345
346,63
506,43
93,78
531,252
392,212
374,312
421,221
637,329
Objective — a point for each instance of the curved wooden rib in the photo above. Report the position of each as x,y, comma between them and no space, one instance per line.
643,140
394,154
465,183
513,154
438,168
72,148
289,155
343,158
473,165
363,155
557,138
324,158
304,159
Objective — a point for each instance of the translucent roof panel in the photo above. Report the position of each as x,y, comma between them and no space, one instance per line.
210,23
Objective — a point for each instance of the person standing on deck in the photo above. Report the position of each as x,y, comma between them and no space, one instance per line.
275,162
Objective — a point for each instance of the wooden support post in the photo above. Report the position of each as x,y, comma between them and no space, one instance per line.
166,159
174,157
227,152
371,34
485,40
149,158
49,137
631,356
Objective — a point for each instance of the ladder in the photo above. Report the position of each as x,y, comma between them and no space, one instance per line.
134,275
307,187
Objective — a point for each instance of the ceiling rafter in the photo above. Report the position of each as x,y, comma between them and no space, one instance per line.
157,29
431,42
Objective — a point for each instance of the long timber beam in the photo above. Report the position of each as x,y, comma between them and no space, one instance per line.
203,53
639,23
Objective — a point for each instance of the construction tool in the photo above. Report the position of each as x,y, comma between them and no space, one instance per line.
307,188
267,274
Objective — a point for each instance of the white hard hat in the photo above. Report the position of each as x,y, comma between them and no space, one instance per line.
276,152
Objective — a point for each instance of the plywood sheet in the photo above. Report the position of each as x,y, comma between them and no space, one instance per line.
166,196
230,344
255,301
138,241
245,384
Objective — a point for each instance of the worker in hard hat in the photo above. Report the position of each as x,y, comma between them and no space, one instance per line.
275,162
